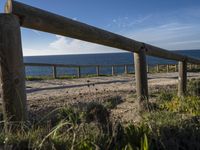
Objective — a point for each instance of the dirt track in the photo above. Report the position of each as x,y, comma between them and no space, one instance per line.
46,95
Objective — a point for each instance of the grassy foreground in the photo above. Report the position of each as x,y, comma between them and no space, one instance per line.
168,123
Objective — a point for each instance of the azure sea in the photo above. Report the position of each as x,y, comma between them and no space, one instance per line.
93,59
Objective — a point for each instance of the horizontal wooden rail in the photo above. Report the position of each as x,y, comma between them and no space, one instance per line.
50,65
38,19
101,66
94,65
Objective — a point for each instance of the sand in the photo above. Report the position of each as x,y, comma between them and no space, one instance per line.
43,96
46,95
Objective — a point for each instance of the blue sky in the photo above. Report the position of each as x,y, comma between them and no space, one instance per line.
170,24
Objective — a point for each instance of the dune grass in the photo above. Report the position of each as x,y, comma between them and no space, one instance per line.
173,124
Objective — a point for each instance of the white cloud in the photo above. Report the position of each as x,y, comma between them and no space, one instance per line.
38,52
75,18
64,45
169,35
141,19
127,22
185,42
61,42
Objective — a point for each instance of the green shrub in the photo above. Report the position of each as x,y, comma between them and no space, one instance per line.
165,95
194,87
189,105
136,136
112,102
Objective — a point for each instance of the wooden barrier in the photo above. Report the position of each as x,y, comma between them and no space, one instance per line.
79,72
168,68
113,71
41,20
125,69
113,67
54,72
12,72
97,71
141,75
182,79
176,67
147,68
45,21
157,68
78,67
190,66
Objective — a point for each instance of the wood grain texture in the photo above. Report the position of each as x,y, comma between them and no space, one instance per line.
41,20
182,78
141,75
12,72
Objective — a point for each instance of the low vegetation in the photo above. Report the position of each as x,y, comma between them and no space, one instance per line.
169,123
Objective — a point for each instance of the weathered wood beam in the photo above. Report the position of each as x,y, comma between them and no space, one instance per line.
147,68
176,67
12,71
38,19
125,69
168,69
141,75
182,78
97,70
157,68
54,70
79,72
113,70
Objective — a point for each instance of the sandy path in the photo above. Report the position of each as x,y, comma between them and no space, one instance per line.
46,95
53,88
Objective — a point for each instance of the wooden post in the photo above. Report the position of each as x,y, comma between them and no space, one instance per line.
79,72
113,71
125,69
176,67
141,75
97,70
195,66
157,68
167,67
12,71
190,67
54,72
182,79
147,68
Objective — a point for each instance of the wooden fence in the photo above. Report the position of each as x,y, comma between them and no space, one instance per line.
79,67
12,68
113,68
